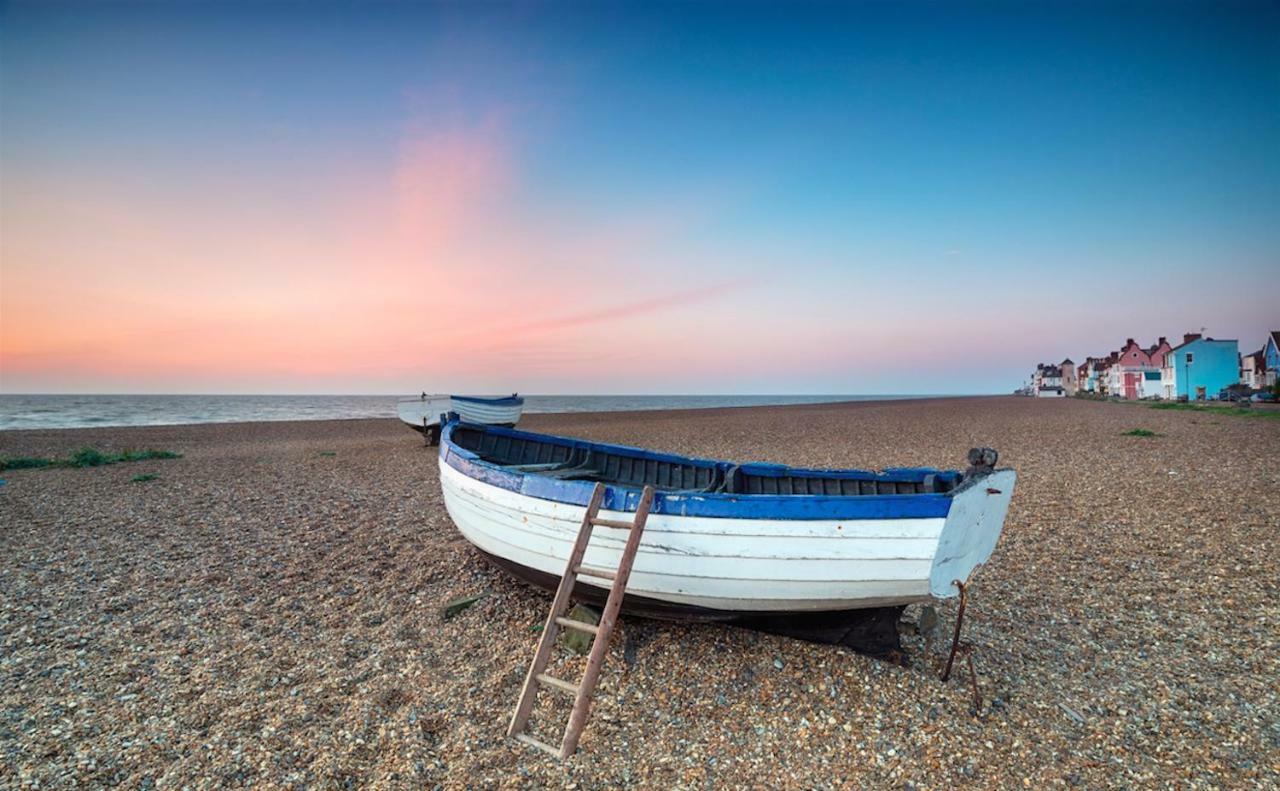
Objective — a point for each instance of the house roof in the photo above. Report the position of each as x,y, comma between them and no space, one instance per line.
1275,338
1193,337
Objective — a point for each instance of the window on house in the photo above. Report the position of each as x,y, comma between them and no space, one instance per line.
1190,358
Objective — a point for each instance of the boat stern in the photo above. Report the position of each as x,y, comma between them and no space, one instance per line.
419,412
970,533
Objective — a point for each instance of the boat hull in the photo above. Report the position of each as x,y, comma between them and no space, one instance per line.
420,413
724,568
488,413
869,630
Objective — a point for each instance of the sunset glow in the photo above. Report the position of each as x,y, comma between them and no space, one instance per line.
196,200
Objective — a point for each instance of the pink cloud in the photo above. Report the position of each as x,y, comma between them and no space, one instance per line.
436,263
626,310
444,178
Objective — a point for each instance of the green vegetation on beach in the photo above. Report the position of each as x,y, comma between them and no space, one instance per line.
1139,432
24,463
85,457
1218,410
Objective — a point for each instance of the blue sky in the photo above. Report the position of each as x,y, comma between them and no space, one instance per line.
857,198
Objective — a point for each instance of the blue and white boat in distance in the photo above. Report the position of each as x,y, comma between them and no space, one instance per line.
423,413
724,541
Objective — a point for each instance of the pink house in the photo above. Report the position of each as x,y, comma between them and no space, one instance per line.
1135,373
1125,374
1158,352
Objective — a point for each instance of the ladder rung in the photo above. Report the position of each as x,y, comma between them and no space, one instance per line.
574,567
558,683
600,521
592,571
541,745
581,626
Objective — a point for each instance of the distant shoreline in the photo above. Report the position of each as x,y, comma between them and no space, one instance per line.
371,406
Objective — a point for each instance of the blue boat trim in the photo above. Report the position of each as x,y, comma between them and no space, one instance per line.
511,400
702,504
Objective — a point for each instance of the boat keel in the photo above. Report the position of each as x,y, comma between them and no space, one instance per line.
872,631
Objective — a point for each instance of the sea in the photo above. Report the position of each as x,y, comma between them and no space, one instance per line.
80,411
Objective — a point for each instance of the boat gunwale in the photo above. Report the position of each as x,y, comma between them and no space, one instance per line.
727,505
494,401
511,400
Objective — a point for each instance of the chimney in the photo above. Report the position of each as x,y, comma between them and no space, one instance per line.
1190,336
1163,341
1128,342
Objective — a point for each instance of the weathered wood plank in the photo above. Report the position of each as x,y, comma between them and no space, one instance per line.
558,607
582,706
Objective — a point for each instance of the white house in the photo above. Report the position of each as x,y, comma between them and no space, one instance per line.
1047,381
1253,370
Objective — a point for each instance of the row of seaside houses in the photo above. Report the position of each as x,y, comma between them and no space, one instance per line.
1199,368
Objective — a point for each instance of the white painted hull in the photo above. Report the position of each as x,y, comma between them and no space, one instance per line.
414,411
489,414
417,410
745,565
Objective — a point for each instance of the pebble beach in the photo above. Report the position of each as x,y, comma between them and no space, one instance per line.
267,612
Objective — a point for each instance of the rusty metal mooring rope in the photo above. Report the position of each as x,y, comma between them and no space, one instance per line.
956,646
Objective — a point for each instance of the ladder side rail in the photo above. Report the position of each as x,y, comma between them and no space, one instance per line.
600,647
561,603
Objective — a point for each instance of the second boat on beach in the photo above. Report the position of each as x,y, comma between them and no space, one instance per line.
725,541
423,413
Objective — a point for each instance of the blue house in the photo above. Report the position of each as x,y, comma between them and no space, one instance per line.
1200,367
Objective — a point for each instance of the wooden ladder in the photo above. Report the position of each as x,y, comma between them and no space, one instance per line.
537,675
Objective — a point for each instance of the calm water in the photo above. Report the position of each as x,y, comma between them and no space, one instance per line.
75,411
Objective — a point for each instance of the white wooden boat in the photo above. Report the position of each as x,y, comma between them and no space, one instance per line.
423,414
424,411
724,541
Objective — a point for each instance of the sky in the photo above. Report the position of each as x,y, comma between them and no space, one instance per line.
602,198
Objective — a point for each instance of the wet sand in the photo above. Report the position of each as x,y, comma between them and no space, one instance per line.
266,613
